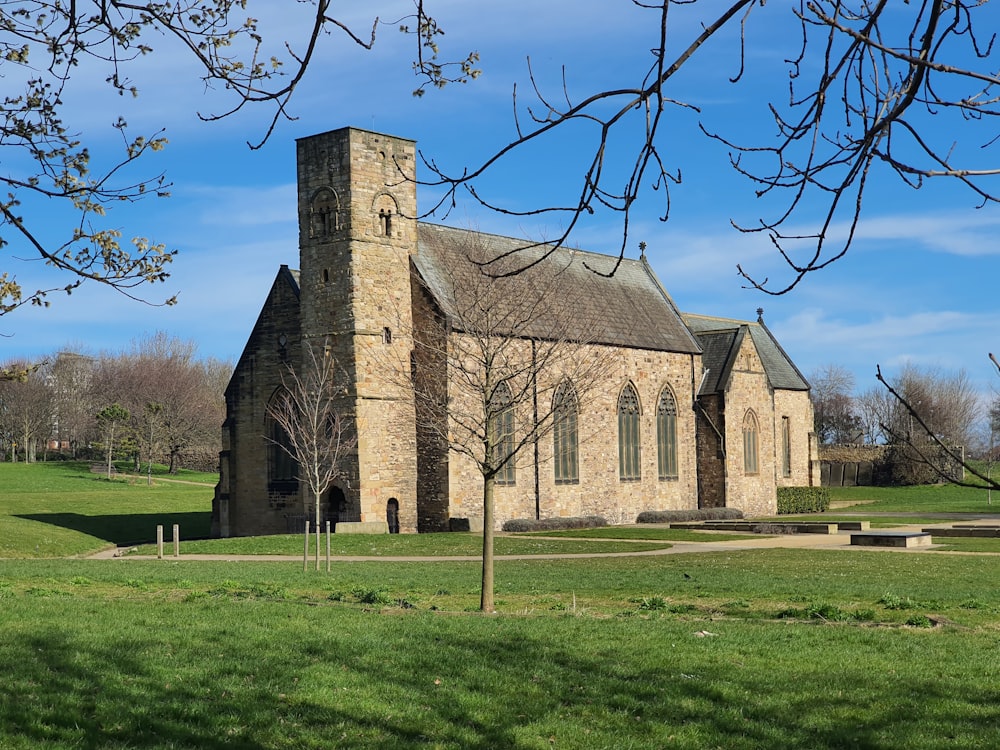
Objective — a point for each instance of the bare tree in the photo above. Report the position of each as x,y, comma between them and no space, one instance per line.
309,412
113,419
27,410
930,415
831,391
164,370
873,86
495,360
46,45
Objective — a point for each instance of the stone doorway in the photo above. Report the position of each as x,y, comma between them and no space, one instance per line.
392,515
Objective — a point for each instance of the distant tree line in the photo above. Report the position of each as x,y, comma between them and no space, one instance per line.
945,409
167,405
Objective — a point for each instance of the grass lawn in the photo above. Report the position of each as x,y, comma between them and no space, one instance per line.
419,545
61,509
760,648
938,498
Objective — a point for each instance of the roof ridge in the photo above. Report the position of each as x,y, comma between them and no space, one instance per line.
530,244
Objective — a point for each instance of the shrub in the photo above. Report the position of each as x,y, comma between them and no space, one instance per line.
895,601
697,514
803,500
372,596
554,524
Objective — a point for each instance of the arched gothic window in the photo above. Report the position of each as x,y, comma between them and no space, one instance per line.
751,459
666,435
282,468
565,441
628,435
502,416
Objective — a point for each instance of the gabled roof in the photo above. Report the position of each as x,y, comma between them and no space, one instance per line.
630,308
721,339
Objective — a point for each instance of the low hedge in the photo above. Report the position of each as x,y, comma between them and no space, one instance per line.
695,514
803,500
554,524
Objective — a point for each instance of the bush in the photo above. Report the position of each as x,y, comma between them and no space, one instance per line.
554,524
696,514
803,500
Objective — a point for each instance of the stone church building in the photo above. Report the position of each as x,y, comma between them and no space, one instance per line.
692,411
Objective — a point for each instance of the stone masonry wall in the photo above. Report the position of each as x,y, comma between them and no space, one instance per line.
749,391
245,503
356,232
797,407
711,421
599,491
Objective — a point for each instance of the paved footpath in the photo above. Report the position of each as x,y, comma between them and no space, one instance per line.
841,540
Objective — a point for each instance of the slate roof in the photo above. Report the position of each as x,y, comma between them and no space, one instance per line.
721,338
630,308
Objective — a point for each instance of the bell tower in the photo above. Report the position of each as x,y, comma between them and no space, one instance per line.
357,229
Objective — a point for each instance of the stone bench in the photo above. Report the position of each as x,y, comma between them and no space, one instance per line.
967,531
361,527
891,539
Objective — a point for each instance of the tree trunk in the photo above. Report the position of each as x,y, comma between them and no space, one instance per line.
316,497
111,443
486,598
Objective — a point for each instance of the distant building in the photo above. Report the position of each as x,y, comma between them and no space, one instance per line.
697,411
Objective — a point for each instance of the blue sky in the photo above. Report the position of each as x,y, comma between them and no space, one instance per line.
917,286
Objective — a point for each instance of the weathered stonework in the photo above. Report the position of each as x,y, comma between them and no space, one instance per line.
359,296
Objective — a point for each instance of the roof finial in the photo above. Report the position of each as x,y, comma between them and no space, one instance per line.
760,314
642,249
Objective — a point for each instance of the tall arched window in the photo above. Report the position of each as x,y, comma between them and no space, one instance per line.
502,415
751,459
786,447
666,435
282,469
628,435
565,442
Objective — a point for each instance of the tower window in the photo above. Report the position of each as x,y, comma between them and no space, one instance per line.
385,220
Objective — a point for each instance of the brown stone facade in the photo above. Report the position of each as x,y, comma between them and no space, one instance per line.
357,295
599,490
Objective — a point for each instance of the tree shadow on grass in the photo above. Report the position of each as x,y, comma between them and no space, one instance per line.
129,528
219,674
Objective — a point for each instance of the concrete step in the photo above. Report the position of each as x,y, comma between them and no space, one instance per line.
891,539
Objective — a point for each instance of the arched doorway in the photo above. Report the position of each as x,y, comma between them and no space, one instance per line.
336,506
392,515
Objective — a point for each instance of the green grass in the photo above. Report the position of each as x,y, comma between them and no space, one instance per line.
395,545
62,509
943,498
750,649
966,544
